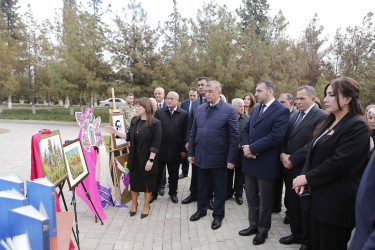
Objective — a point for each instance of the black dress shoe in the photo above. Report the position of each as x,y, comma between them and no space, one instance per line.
174,199
304,247
196,216
161,191
216,224
189,199
153,197
239,200
260,238
291,239
182,175
145,215
211,204
133,213
248,231
276,210
286,220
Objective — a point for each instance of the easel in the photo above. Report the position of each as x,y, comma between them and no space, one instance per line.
112,165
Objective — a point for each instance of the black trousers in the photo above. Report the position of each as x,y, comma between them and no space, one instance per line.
173,168
277,194
294,207
239,179
185,166
329,237
305,209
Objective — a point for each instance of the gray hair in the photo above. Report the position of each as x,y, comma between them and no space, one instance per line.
160,89
153,100
217,85
289,97
174,93
310,90
235,101
370,111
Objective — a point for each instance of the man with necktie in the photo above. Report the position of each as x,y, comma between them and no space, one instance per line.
261,141
173,124
186,105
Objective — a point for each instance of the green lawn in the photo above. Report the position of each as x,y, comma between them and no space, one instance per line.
56,114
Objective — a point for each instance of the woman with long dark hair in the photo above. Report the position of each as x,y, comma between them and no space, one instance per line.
145,139
336,159
249,102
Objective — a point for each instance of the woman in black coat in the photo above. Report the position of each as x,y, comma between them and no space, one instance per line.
336,160
145,139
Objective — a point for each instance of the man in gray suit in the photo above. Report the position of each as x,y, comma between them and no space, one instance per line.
293,157
239,178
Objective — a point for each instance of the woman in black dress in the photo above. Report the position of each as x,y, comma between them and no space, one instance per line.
144,136
336,159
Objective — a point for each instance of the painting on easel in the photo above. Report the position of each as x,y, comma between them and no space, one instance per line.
52,157
117,120
75,160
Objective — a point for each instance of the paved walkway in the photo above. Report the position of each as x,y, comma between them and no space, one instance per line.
167,226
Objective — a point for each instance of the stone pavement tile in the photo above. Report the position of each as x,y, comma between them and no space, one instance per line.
119,244
105,246
108,238
89,243
95,233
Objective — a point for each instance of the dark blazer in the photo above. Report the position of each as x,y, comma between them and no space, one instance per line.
194,106
164,104
265,135
185,105
334,168
296,142
150,142
173,133
364,236
244,118
214,139
293,111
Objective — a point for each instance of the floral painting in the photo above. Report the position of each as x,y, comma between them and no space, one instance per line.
52,158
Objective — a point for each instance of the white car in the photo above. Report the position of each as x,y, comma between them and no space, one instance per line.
109,102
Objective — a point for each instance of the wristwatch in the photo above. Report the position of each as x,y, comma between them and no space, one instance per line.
151,160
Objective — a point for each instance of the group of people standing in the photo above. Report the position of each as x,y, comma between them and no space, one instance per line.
319,155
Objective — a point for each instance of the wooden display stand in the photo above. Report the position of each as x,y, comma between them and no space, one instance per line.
121,159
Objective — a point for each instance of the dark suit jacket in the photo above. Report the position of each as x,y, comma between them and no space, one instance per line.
194,106
185,105
293,111
296,142
334,167
164,104
214,139
364,237
173,133
244,118
150,142
265,135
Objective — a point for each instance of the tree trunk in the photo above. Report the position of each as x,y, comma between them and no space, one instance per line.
49,101
92,102
10,101
1,109
22,101
71,105
33,106
61,103
95,101
66,101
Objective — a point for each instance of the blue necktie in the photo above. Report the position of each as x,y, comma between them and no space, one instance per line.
171,111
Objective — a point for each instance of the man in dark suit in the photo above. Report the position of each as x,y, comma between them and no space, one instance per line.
186,105
174,124
213,147
293,157
261,140
288,100
202,81
243,118
161,103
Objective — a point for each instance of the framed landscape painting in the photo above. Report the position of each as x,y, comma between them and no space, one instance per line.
52,158
76,163
117,120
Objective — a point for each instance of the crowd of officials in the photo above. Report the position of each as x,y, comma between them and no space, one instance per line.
259,144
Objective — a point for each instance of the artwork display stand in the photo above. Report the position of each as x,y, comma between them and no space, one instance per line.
113,149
